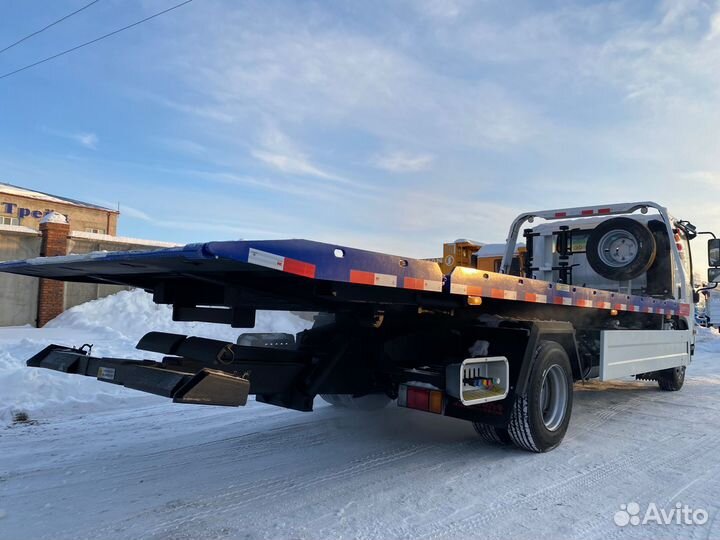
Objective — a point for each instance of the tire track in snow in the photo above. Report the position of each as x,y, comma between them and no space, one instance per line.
694,458
235,499
260,443
604,415
420,465
625,465
639,464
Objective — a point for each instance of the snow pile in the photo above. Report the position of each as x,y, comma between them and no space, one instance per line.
131,314
113,324
707,340
30,390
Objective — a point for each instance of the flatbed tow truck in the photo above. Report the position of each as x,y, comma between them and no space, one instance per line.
603,292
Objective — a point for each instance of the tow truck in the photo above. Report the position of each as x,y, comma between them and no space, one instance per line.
603,292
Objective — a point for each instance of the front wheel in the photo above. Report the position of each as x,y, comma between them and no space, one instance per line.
540,416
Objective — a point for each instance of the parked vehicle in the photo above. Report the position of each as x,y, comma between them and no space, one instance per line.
703,311
603,292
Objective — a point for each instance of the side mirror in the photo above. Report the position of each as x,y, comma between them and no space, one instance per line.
714,252
713,275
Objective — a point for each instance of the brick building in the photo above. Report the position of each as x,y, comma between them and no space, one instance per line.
25,207
37,224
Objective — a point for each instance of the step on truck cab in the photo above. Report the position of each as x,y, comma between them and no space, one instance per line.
603,292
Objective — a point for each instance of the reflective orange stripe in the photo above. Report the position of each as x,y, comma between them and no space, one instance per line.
364,278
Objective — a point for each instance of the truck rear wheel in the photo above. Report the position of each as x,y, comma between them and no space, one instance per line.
492,434
370,402
540,416
671,380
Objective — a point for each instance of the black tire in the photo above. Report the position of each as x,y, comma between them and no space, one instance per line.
671,380
628,232
370,402
536,426
492,434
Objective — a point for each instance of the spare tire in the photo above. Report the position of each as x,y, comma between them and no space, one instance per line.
620,249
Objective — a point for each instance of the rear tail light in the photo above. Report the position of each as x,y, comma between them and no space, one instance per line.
422,399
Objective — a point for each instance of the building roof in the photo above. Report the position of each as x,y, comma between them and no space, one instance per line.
468,241
496,250
10,189
122,240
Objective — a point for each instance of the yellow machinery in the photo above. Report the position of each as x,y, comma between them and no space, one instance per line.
481,256
459,253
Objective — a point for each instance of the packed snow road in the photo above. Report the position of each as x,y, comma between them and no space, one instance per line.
128,466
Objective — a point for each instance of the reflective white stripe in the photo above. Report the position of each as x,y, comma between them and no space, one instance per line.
623,307
268,260
541,298
385,280
430,285
510,295
567,301
458,288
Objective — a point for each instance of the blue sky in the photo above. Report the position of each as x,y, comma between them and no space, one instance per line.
392,126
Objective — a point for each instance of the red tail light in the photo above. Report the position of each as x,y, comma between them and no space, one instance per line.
422,399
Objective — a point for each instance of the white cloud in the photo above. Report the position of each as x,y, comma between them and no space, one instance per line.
131,211
183,146
538,105
280,153
291,164
400,162
703,180
714,25
680,14
298,72
309,189
87,139
441,9
200,110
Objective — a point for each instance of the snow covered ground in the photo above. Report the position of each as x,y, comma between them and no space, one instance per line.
106,462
